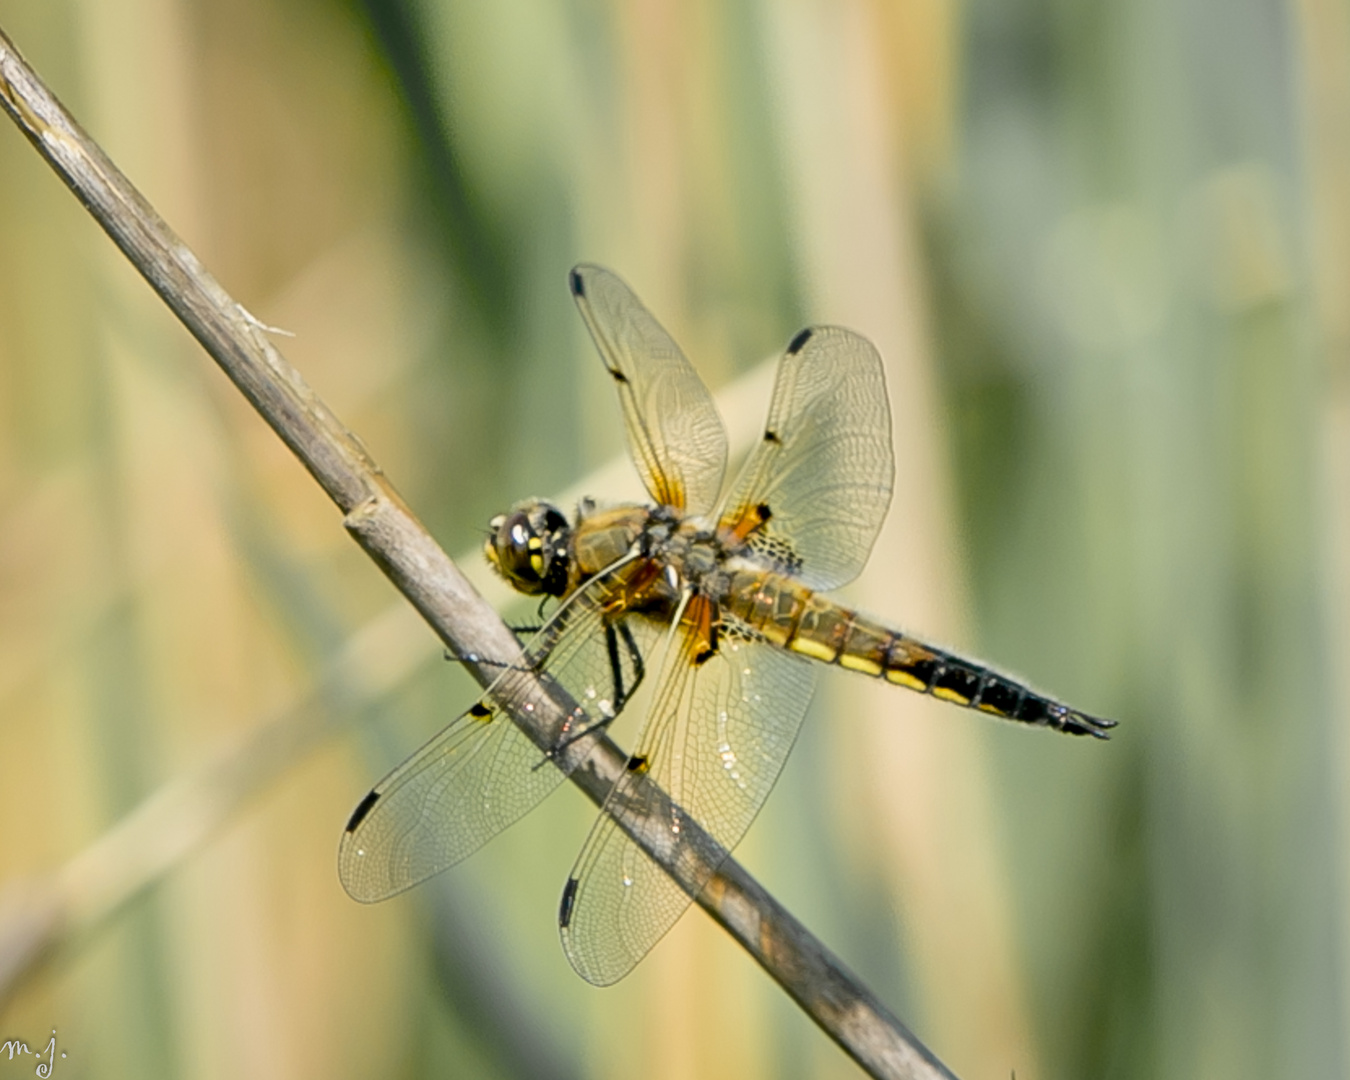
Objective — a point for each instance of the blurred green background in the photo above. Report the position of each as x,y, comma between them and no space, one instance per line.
1105,250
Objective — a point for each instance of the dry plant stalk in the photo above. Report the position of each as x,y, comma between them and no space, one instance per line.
391,535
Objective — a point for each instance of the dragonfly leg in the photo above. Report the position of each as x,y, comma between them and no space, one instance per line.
524,630
639,668
622,694
474,658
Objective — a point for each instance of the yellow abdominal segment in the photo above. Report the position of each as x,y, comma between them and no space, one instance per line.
813,649
904,678
865,664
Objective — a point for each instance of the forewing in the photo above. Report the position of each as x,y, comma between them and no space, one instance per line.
713,745
482,772
674,433
823,470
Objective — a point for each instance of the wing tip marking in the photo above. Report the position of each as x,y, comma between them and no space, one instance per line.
796,344
569,898
577,282
362,809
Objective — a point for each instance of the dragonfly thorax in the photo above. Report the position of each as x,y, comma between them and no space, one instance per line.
689,551
529,547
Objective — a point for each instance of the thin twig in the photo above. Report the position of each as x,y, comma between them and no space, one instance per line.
388,531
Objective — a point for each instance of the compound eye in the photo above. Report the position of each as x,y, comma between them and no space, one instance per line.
525,547
517,551
521,534
529,547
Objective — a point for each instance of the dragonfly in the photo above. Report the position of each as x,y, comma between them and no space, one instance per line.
721,594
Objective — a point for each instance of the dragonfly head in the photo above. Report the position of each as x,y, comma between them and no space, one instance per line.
529,547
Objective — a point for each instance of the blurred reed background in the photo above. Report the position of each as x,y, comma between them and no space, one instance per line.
1105,250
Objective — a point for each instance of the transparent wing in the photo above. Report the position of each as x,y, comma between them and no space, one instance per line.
714,743
674,433
813,494
482,772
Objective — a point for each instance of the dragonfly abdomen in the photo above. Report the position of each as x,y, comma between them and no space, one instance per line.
794,617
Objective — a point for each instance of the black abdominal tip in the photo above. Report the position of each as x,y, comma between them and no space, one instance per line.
795,345
578,285
1096,726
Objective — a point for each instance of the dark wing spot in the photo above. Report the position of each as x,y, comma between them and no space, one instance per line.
359,814
764,512
771,436
578,285
637,763
619,376
714,635
795,345
479,711
569,897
